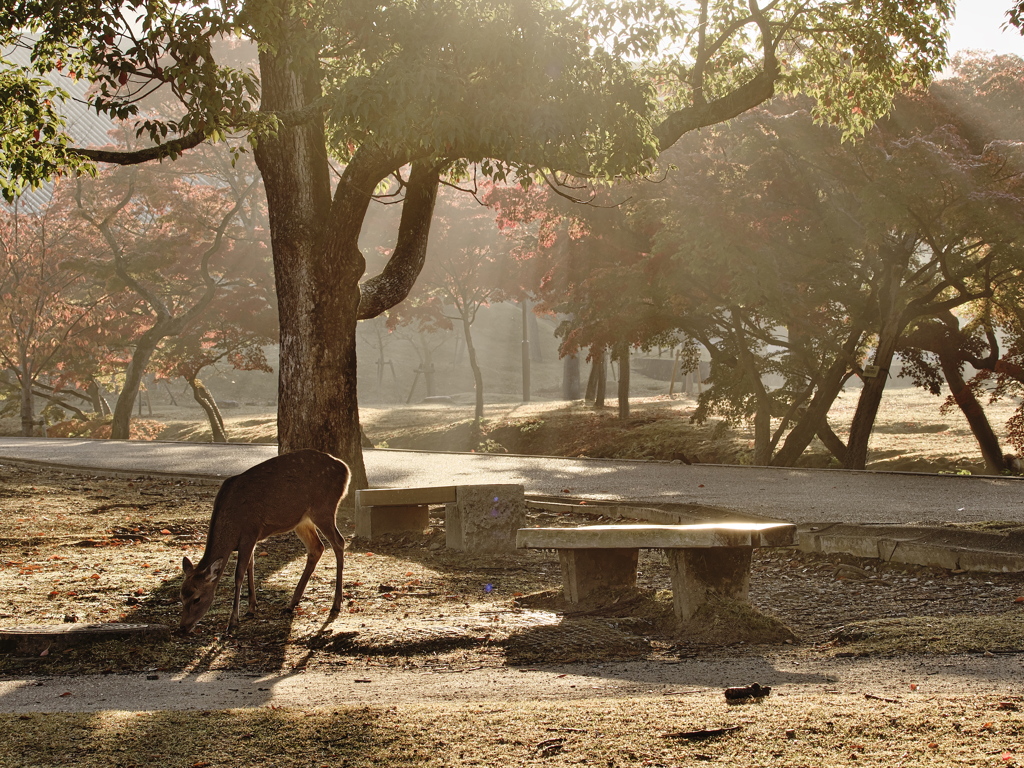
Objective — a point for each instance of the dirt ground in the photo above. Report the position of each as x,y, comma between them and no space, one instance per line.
79,548
83,548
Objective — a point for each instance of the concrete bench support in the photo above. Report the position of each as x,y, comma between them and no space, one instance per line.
699,573
585,571
478,518
705,560
484,519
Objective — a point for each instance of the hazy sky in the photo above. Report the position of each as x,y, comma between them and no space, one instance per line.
977,26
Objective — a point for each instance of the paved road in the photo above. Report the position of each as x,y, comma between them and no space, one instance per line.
798,495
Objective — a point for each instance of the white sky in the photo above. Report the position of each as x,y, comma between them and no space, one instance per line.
977,26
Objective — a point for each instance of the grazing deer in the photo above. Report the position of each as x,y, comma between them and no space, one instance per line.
298,492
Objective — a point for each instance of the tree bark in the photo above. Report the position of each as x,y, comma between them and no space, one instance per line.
478,377
874,387
316,275
204,397
974,413
120,427
570,377
832,441
27,408
622,355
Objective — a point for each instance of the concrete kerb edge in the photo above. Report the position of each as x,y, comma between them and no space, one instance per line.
74,469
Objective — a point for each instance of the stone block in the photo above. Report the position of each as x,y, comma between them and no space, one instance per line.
699,573
484,519
586,571
372,522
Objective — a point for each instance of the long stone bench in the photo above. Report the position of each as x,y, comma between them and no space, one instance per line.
704,559
478,518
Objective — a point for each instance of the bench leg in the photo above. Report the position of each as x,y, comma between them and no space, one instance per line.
699,573
375,521
585,571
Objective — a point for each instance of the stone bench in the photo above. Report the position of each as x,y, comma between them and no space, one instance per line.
478,518
704,559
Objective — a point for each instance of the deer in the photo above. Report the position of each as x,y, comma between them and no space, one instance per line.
298,491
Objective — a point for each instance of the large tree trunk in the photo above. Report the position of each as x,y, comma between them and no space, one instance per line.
317,276
871,395
570,377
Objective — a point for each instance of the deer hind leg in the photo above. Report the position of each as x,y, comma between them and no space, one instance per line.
306,531
243,566
337,541
250,575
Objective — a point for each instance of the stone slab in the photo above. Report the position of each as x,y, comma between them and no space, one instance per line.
34,639
659,536
397,497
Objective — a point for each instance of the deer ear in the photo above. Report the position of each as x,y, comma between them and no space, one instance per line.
215,570
187,567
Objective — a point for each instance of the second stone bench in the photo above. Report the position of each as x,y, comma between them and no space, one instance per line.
478,518
705,560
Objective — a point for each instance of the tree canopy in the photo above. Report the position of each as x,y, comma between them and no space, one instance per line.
348,92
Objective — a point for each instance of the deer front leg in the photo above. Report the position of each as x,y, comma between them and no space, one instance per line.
242,566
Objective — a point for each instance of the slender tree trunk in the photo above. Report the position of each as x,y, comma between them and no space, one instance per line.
622,355
975,415
525,305
99,404
595,364
762,436
204,397
170,392
813,417
121,424
871,397
570,377
27,405
478,377
832,441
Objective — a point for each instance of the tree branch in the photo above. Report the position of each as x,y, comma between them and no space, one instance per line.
169,150
394,282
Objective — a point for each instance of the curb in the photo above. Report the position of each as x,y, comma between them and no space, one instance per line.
955,549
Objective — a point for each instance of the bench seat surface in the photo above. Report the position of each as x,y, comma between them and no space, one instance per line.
701,535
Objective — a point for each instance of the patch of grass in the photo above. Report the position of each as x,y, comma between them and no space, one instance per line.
1000,633
828,730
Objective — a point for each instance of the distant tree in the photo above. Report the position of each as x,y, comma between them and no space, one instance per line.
468,269
153,227
239,323
47,311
